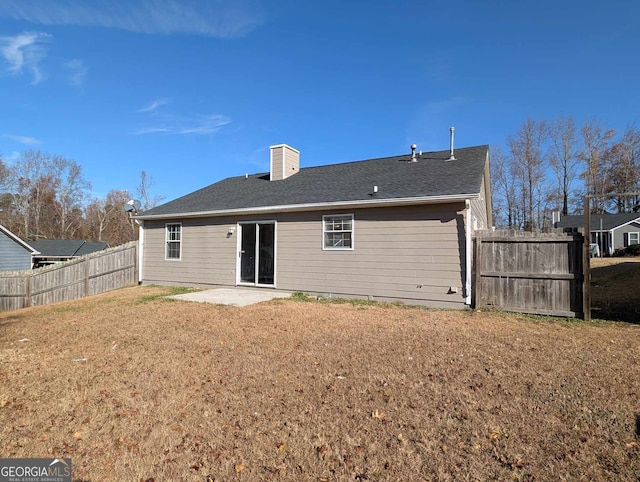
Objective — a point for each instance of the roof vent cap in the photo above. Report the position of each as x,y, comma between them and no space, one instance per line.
451,156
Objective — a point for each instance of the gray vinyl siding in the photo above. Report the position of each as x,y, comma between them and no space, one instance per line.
285,161
13,256
479,209
412,254
208,253
277,159
620,234
291,162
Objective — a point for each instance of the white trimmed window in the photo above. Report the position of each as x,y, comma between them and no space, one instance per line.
173,241
634,238
337,231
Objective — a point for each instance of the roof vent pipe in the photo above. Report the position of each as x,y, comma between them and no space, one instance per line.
451,156
413,153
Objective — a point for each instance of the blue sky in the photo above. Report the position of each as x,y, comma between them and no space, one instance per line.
196,91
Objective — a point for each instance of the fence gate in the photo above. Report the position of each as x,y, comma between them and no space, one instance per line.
529,272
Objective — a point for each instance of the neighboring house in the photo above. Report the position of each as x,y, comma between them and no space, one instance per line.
608,231
395,228
15,254
53,251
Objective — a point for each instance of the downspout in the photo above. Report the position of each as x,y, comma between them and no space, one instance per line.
140,223
467,285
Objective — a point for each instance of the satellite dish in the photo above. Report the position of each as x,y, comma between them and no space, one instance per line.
132,206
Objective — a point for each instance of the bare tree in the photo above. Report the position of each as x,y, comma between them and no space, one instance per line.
621,165
46,194
507,210
4,175
106,219
596,140
143,191
526,148
71,189
28,180
95,220
564,157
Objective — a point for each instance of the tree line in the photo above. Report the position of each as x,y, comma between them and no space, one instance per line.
547,166
45,196
551,165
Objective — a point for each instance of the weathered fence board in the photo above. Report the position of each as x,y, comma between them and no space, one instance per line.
89,275
532,273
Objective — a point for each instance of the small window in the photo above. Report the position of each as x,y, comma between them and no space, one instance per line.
174,241
337,231
634,238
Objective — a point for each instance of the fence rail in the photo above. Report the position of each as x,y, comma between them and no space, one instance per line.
532,273
88,275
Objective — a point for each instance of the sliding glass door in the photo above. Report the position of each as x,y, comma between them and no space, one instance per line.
257,253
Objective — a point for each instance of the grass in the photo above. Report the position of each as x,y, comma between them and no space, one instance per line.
163,292
615,289
316,391
304,297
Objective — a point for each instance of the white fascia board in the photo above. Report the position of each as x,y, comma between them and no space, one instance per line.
285,145
636,220
319,206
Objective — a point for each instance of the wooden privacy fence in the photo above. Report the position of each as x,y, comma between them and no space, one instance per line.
88,275
529,273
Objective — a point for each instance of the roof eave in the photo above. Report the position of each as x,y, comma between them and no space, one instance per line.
18,240
635,220
317,206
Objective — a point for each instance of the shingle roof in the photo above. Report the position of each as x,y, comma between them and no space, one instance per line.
609,221
90,247
396,178
66,248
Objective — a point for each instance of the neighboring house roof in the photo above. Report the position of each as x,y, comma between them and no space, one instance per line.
91,247
609,221
66,248
28,246
432,177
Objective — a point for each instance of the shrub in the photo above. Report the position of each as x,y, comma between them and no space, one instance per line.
631,250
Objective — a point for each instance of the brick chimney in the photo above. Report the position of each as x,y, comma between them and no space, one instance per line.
285,162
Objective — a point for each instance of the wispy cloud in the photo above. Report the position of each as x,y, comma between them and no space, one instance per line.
154,105
24,52
186,125
77,72
26,140
221,19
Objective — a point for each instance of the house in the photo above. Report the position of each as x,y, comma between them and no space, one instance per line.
608,231
395,228
53,251
15,254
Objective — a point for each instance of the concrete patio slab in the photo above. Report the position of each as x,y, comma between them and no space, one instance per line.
232,296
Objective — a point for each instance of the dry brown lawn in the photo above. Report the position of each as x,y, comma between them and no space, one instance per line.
615,289
136,388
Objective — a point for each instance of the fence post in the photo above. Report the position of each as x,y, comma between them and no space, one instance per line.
28,291
586,261
86,276
476,295
136,271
